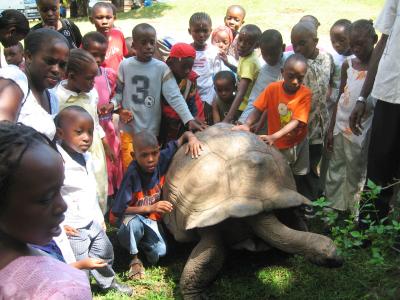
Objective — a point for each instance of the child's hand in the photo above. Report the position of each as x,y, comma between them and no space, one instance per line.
71,231
194,147
195,125
243,127
125,116
268,139
161,207
106,109
91,263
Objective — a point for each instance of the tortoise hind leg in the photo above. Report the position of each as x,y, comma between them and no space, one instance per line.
317,248
203,265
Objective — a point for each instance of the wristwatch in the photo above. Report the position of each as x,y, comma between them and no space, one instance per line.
362,99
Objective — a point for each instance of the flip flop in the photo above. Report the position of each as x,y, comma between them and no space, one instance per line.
136,270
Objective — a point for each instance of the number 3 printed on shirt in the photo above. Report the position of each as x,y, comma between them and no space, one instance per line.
140,88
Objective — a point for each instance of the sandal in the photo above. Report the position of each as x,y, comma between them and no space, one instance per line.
136,270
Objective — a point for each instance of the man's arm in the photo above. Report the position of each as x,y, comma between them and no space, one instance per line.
359,109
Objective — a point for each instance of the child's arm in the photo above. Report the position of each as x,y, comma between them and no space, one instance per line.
89,263
226,62
107,150
125,115
289,127
244,84
260,123
215,112
343,81
194,147
160,207
250,121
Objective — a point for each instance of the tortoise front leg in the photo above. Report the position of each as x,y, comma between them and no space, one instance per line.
203,264
317,248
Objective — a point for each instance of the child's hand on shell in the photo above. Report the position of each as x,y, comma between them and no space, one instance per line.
194,147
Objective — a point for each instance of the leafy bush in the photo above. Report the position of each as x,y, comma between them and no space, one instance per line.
348,233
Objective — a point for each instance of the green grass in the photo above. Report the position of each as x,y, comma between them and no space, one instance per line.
171,18
268,275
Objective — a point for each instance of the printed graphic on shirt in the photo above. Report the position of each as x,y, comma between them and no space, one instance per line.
285,114
140,85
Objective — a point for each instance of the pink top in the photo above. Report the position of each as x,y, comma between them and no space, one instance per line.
42,277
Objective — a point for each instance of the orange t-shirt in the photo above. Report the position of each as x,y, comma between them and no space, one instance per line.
281,108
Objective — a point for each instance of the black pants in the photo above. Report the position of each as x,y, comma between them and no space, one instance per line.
384,152
309,185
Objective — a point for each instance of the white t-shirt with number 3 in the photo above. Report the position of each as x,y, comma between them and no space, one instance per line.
139,89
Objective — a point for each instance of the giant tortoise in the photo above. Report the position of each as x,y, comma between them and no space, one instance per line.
239,193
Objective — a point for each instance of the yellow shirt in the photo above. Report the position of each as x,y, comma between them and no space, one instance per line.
248,68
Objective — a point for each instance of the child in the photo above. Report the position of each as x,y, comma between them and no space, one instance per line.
318,79
248,68
84,221
347,166
340,39
50,14
234,19
103,19
207,62
31,177
78,89
287,104
180,61
141,82
311,19
225,88
222,38
14,55
14,27
272,47
139,205
105,83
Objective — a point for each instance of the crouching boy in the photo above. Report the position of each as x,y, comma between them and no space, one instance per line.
138,205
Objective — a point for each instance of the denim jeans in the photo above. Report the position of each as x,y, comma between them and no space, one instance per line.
143,233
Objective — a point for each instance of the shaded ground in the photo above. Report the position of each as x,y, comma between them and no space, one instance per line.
268,275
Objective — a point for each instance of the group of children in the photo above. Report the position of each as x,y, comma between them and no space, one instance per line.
115,109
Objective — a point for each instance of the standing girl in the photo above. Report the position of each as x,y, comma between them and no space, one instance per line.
78,90
105,83
46,53
347,167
